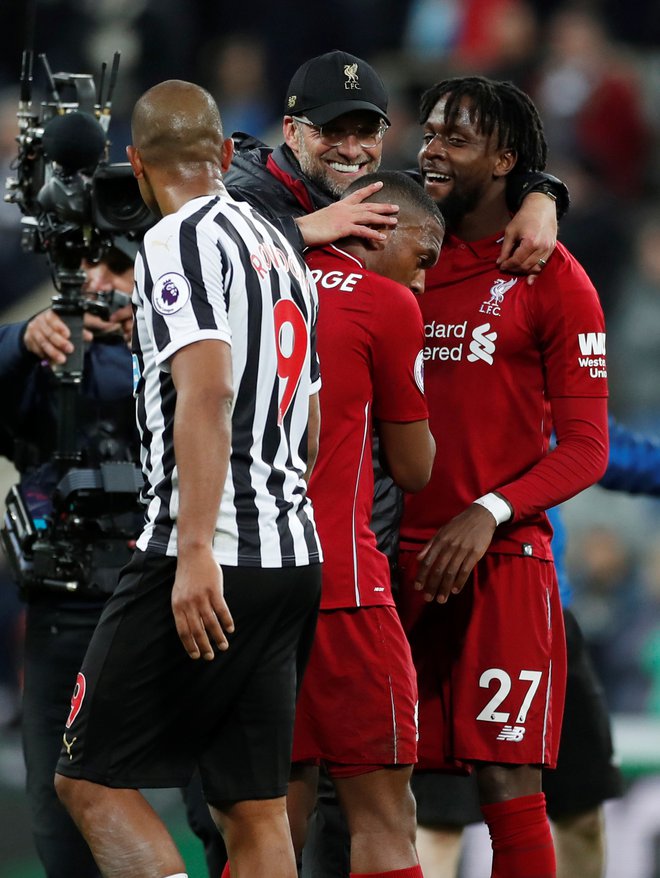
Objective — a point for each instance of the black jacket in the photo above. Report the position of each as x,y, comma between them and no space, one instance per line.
272,182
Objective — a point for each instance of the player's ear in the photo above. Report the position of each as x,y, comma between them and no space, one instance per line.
289,134
505,162
135,160
226,154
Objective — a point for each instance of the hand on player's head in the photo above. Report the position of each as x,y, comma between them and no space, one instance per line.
349,217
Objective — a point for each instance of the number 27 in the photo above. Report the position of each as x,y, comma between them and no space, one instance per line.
490,712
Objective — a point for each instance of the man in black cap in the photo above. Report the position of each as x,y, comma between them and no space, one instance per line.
335,120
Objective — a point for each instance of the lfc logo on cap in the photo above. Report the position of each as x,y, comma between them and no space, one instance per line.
350,72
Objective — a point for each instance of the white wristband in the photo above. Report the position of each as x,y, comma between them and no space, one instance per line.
497,506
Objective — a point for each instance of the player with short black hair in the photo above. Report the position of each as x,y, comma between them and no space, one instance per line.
356,712
227,567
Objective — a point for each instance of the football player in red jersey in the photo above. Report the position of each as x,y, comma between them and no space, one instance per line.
505,363
356,711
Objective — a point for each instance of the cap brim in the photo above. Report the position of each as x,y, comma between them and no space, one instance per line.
324,114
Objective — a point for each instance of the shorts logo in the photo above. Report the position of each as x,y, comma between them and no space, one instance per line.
419,371
77,699
512,733
69,745
171,292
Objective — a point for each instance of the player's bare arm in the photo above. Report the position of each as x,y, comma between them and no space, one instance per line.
530,237
449,557
347,217
202,375
408,451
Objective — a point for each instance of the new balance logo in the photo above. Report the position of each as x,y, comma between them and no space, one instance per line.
592,344
511,733
482,346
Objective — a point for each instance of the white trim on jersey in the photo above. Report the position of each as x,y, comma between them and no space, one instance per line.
348,255
354,537
217,270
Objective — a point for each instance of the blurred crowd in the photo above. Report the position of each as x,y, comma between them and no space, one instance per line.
594,71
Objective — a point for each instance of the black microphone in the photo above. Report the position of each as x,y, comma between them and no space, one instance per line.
75,141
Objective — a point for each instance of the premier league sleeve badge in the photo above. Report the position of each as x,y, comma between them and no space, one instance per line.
171,293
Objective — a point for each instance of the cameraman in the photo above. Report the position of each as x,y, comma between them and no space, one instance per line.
59,624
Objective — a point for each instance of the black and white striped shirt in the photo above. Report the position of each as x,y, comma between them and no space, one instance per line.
215,269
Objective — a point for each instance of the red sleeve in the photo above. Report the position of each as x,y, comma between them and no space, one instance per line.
397,352
578,461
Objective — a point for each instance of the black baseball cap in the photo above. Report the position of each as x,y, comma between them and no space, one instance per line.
332,84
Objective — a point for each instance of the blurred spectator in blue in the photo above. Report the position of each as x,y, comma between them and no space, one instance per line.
237,76
612,599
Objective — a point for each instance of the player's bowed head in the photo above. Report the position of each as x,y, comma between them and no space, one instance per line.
179,151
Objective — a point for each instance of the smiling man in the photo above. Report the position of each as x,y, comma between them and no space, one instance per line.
505,365
334,128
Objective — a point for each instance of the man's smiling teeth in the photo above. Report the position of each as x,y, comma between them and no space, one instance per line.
436,178
344,168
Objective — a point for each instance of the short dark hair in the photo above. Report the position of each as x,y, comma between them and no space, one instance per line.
497,106
399,188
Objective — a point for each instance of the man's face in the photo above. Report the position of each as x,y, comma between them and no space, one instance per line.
411,249
333,168
458,163
112,273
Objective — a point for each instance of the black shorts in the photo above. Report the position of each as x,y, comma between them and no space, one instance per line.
586,774
146,714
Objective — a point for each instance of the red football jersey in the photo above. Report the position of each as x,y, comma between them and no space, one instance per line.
369,340
497,351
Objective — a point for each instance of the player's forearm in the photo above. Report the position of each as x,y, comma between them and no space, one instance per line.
577,462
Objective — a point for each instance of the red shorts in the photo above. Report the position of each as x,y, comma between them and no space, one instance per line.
358,701
491,664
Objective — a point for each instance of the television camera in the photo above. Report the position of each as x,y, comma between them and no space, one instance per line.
75,206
